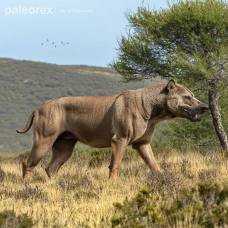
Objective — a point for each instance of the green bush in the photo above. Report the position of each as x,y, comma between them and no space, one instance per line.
97,157
2,175
10,219
205,205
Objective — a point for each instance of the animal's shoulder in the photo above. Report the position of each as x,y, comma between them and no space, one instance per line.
128,100
130,95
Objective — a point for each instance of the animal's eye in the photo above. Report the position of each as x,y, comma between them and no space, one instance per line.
188,98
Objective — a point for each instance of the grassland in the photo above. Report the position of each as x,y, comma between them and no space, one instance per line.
81,194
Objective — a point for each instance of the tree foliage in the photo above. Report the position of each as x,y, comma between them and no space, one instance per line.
189,42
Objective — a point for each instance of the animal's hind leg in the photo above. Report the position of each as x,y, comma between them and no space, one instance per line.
39,150
62,150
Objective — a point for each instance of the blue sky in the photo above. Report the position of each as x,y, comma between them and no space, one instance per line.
91,28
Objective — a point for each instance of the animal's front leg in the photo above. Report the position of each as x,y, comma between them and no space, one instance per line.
147,155
118,147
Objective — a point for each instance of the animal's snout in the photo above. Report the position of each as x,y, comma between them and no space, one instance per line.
204,107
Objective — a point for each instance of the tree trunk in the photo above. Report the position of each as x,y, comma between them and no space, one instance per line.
216,116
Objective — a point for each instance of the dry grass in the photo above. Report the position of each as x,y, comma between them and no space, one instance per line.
82,196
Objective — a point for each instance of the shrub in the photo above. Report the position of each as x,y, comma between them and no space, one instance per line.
10,219
2,175
26,193
97,157
204,205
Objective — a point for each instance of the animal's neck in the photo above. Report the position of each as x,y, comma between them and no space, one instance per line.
154,104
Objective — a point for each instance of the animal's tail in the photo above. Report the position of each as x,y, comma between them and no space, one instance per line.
28,124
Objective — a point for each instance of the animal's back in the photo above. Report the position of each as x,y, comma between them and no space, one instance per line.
89,118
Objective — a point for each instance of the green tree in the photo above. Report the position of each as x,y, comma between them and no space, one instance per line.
187,41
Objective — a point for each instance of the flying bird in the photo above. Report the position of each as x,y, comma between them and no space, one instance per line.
55,43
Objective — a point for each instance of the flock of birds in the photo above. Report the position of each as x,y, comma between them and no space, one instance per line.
55,44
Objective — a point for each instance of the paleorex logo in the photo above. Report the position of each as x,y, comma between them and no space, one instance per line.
28,10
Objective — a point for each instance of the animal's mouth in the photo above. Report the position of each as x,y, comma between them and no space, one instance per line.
194,114
191,115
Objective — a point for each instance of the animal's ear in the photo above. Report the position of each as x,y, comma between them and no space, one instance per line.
171,85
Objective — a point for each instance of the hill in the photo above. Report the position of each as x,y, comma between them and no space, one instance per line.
26,84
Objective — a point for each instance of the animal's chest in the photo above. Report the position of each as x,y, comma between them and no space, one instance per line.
149,130
142,130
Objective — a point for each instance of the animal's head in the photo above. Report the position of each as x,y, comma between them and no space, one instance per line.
182,103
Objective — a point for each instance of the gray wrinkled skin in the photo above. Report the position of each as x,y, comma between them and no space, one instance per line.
115,121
